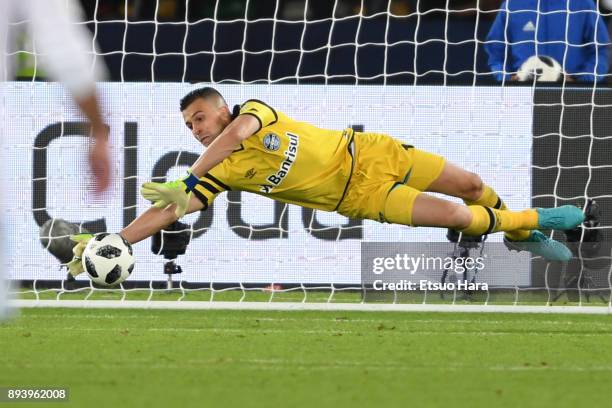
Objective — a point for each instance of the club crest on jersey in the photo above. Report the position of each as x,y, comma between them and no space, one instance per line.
271,142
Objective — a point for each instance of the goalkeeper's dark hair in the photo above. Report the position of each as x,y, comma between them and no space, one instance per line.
206,93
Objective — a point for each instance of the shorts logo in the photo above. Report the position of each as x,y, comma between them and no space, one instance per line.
250,173
271,142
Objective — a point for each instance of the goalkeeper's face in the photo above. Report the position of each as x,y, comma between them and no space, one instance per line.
206,119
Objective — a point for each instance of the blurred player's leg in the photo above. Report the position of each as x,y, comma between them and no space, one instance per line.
4,10
66,48
4,312
3,237
3,281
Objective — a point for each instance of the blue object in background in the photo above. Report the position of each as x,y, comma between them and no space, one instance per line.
570,31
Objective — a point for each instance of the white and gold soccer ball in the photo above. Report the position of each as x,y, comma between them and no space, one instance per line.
108,259
541,67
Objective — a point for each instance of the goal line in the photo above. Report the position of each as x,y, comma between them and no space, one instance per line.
301,306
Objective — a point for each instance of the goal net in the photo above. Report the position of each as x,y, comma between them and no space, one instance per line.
436,75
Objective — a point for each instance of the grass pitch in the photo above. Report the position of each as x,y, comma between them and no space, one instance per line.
151,358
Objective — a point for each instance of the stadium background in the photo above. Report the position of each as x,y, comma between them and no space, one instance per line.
439,42
332,355
440,45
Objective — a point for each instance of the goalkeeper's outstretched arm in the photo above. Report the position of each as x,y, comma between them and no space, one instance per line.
155,219
146,225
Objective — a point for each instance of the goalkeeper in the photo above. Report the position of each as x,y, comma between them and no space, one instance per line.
258,149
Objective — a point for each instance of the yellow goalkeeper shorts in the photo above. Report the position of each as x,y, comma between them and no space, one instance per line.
382,162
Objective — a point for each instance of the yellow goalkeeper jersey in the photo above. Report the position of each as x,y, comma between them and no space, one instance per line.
286,160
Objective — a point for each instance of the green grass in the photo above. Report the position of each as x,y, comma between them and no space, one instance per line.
153,358
528,297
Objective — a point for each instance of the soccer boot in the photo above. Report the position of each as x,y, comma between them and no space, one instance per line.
566,217
541,245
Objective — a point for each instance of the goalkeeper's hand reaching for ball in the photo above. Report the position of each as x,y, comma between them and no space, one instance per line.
163,195
75,267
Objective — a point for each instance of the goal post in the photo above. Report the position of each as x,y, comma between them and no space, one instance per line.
420,72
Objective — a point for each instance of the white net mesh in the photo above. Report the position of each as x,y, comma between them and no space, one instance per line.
437,75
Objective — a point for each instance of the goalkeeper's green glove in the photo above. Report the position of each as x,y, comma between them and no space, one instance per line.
164,194
75,267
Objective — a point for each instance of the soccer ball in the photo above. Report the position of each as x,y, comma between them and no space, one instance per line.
542,68
108,259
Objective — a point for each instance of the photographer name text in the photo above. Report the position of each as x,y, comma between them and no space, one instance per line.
424,284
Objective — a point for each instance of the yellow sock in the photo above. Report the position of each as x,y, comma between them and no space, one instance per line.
516,235
483,221
487,220
489,198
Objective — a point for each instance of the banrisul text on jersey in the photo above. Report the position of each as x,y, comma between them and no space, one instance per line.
285,166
